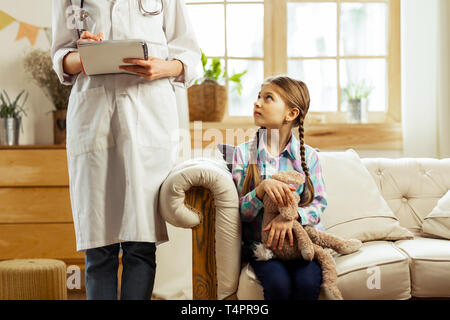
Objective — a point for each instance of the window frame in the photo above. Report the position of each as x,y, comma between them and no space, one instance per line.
393,59
383,130
275,57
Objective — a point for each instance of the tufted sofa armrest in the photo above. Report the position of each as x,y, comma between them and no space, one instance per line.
200,194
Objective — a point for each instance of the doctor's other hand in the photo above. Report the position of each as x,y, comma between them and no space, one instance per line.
86,35
153,68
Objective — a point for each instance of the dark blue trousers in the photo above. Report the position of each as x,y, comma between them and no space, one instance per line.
138,274
294,280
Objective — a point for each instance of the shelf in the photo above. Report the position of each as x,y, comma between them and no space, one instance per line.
335,136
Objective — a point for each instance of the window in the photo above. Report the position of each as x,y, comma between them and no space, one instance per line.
234,32
328,44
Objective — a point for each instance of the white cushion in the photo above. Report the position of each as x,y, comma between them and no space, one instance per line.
378,271
249,286
411,186
430,266
356,209
437,223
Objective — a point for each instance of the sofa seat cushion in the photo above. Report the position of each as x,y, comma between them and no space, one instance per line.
430,266
379,270
249,286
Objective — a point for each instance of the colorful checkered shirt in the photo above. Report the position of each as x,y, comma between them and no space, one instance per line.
289,159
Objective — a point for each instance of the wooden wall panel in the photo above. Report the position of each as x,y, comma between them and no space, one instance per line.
24,167
27,205
44,240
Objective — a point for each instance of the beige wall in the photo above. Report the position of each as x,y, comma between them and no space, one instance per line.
37,125
444,80
425,78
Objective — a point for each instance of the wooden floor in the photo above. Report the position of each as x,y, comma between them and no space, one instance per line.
81,295
76,295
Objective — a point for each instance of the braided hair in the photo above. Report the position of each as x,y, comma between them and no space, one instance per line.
307,195
295,94
252,175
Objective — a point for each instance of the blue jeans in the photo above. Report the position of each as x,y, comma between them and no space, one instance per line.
138,274
282,280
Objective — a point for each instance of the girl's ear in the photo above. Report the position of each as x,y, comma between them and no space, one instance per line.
293,114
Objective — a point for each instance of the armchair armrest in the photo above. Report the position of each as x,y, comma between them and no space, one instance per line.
200,194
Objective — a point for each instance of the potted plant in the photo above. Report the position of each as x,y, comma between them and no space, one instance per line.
208,100
11,117
357,95
38,64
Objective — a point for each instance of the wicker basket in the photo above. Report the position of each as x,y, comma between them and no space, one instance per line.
207,101
33,279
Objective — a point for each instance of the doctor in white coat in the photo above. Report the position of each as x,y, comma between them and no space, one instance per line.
122,136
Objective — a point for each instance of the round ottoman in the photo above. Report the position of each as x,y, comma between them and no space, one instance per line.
33,279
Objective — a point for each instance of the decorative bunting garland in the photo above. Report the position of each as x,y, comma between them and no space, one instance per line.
26,30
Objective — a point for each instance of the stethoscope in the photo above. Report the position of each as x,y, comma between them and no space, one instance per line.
85,15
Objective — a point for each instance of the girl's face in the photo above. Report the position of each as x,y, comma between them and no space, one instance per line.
269,110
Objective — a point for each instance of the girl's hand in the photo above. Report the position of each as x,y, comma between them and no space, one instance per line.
153,68
279,192
278,228
86,35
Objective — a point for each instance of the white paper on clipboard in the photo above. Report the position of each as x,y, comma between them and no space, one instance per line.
104,57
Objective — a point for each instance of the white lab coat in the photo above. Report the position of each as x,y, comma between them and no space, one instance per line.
122,137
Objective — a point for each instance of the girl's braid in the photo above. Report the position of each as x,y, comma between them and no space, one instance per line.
309,188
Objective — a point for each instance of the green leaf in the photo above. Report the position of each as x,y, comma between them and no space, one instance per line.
239,89
217,73
7,97
17,99
237,77
204,60
13,109
214,71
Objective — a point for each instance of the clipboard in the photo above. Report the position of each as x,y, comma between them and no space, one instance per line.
105,57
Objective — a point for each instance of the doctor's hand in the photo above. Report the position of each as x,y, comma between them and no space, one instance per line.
153,68
86,35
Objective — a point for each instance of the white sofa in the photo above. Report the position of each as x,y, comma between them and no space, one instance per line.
201,195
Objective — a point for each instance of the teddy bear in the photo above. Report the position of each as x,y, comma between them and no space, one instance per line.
309,243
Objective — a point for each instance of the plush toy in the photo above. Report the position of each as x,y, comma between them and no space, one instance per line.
309,243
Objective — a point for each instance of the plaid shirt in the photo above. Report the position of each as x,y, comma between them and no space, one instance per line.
288,159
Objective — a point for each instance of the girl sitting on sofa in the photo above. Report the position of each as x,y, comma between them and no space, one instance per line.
282,105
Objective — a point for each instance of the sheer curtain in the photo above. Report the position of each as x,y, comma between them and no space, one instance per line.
426,78
444,82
